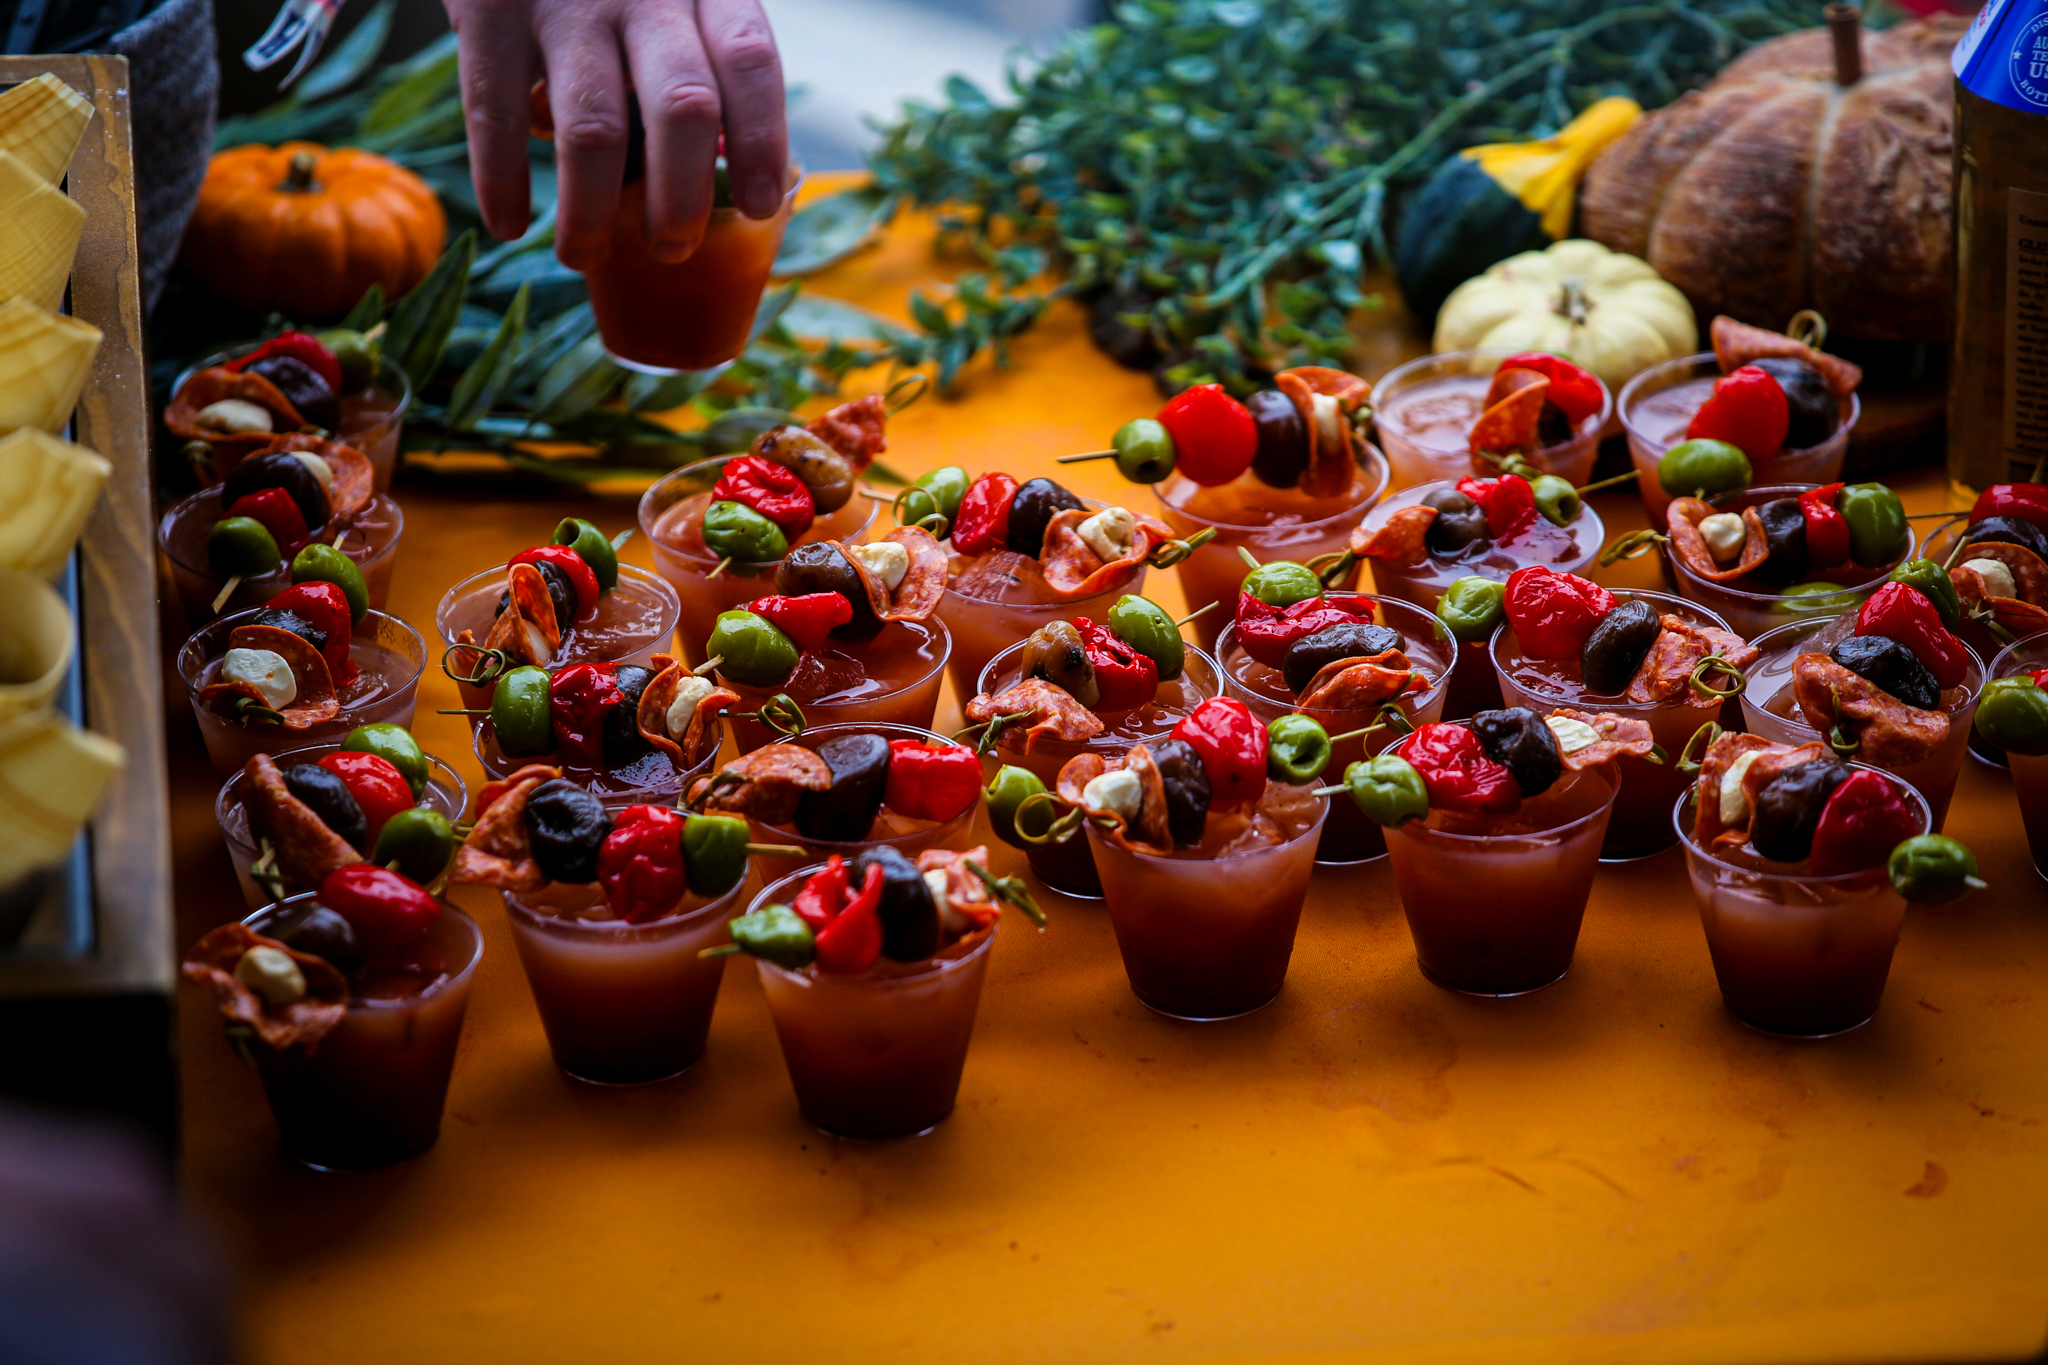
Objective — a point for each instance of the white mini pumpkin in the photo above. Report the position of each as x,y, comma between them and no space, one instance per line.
1607,311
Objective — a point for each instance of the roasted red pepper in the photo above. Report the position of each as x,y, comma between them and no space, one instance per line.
640,863
1508,501
326,608
2026,501
378,787
983,522
1552,613
579,699
808,619
569,562
1214,436
1747,409
1232,745
852,942
770,489
931,781
823,892
1124,677
1265,631
1827,530
279,512
1863,821
388,910
307,350
1901,613
1459,775
1576,392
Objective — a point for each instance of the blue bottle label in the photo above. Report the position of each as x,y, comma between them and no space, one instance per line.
2004,56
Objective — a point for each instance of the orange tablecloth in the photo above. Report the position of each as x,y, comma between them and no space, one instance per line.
1369,1169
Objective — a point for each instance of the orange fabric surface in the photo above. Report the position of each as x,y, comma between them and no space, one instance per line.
1370,1169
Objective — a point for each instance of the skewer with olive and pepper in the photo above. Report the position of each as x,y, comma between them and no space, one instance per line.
549,590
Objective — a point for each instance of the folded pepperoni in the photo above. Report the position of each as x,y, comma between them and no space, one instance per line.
765,785
1401,539
300,1024
307,849
1048,710
1888,733
498,850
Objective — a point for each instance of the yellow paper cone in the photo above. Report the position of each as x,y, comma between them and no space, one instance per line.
41,122
47,489
36,637
39,227
52,775
44,360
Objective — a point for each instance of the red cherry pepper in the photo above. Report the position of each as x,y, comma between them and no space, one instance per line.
983,522
1747,409
931,781
388,910
378,787
278,511
852,942
1232,746
2026,501
1553,613
1508,501
1266,631
771,489
579,698
1827,530
1457,772
1214,436
307,350
640,863
569,562
1901,613
2039,675
1124,678
807,619
1576,392
1864,819
823,893
326,608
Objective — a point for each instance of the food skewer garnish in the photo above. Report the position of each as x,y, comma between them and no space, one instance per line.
549,589
766,499
603,716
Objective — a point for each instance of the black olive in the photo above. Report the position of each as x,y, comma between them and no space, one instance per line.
1890,665
1459,522
1519,741
817,567
1813,405
2010,531
561,592
298,625
303,386
1032,510
623,741
1784,542
845,811
278,470
324,933
1352,640
1132,347
910,918
1788,809
1283,438
1618,646
1553,427
1187,790
328,797
567,826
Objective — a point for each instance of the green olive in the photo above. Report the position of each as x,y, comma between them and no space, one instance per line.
1144,625
419,840
1932,869
359,356
396,746
241,546
1144,450
1297,749
592,548
1811,599
1878,531
735,531
321,563
1701,468
947,485
752,649
1282,583
521,712
1005,792
1472,607
1556,499
2013,714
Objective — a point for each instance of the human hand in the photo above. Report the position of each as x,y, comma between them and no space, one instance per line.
696,66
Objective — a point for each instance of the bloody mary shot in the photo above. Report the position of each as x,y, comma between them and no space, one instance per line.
2012,717
349,1002
1441,416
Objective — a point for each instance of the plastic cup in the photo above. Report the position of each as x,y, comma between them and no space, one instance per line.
370,542
2029,771
1658,405
1801,956
635,621
1428,444
910,655
877,1055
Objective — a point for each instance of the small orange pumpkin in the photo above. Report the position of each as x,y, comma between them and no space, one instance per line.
306,231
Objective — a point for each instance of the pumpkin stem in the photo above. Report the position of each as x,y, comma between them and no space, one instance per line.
1845,25
298,177
1573,305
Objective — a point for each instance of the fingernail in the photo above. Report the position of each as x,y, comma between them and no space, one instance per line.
761,196
675,248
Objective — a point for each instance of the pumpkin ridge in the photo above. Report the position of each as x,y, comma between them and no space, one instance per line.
1816,177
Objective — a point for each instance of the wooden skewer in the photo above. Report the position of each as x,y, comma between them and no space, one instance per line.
1086,455
1202,611
227,590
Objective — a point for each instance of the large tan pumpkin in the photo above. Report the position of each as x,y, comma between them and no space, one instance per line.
1778,187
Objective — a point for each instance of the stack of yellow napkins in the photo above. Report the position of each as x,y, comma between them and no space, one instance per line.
44,356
